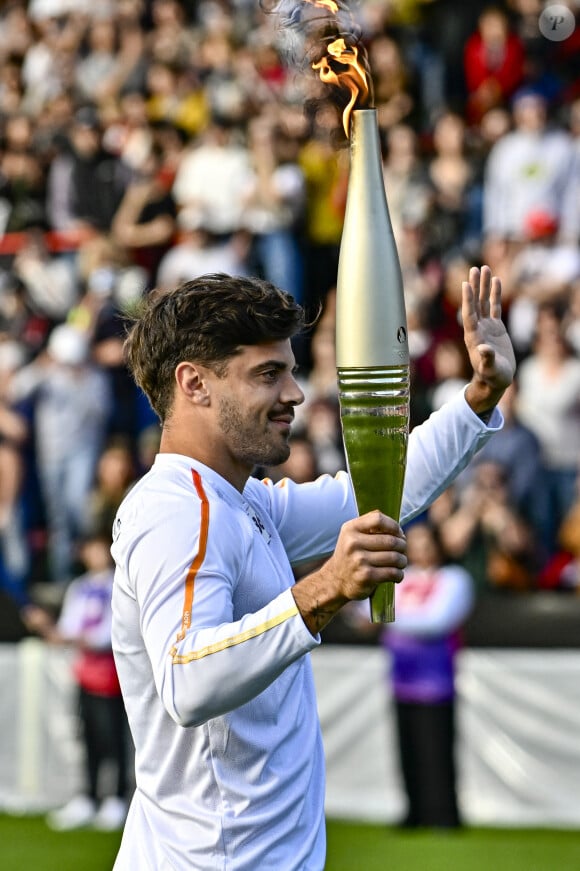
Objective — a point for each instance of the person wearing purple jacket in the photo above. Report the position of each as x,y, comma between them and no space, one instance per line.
431,606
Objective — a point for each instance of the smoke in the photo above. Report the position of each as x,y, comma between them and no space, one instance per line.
308,26
306,29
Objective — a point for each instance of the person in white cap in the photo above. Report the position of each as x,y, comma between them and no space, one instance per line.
71,404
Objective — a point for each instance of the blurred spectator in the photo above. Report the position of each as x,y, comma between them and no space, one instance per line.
406,180
481,529
421,349
259,65
116,471
451,371
431,604
14,431
538,51
170,39
20,316
447,26
325,171
22,190
212,176
112,288
147,447
322,428
570,223
144,222
48,66
495,124
391,81
15,29
446,314
562,571
71,401
517,450
274,205
51,282
176,95
455,217
52,124
172,142
85,624
528,168
130,72
549,404
200,251
493,61
85,182
231,92
301,465
320,380
97,67
11,91
571,320
128,134
541,272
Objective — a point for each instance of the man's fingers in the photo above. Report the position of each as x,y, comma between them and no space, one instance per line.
481,297
378,543
377,522
484,291
495,298
387,559
474,278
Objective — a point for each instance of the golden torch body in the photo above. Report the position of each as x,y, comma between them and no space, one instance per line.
372,354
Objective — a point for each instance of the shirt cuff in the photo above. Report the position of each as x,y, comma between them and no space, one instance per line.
495,421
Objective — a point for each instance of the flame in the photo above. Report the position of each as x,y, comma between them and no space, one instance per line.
353,76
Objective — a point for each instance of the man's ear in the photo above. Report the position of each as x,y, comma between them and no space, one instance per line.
193,382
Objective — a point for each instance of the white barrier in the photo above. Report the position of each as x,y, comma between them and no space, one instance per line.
518,751
518,736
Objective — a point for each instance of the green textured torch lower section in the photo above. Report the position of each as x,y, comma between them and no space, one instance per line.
374,409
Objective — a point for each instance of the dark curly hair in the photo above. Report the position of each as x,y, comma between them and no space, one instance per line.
206,321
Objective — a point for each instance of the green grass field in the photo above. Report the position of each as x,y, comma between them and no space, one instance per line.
26,842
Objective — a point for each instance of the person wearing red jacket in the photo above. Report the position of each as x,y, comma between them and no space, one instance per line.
493,62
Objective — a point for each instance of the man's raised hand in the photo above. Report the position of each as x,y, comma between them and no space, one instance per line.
487,341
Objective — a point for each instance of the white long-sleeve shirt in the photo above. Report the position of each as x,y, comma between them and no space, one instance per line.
212,653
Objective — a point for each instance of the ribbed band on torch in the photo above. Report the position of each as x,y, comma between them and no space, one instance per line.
374,408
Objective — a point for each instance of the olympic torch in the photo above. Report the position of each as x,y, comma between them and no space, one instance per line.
372,354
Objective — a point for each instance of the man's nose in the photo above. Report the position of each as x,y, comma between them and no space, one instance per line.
292,394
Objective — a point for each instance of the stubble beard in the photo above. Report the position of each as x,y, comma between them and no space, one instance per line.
247,445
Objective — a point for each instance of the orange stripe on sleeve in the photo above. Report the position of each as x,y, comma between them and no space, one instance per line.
199,557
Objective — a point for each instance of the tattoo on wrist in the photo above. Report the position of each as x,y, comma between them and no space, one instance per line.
320,616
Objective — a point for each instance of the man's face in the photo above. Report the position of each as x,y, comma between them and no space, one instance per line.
85,140
255,404
530,113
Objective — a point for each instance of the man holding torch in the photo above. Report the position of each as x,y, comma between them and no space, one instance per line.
211,634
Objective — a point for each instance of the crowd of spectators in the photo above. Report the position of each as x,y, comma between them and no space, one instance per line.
145,142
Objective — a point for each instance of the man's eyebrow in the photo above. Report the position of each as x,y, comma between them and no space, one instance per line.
279,365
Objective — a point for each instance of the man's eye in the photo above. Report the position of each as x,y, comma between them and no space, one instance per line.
271,375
